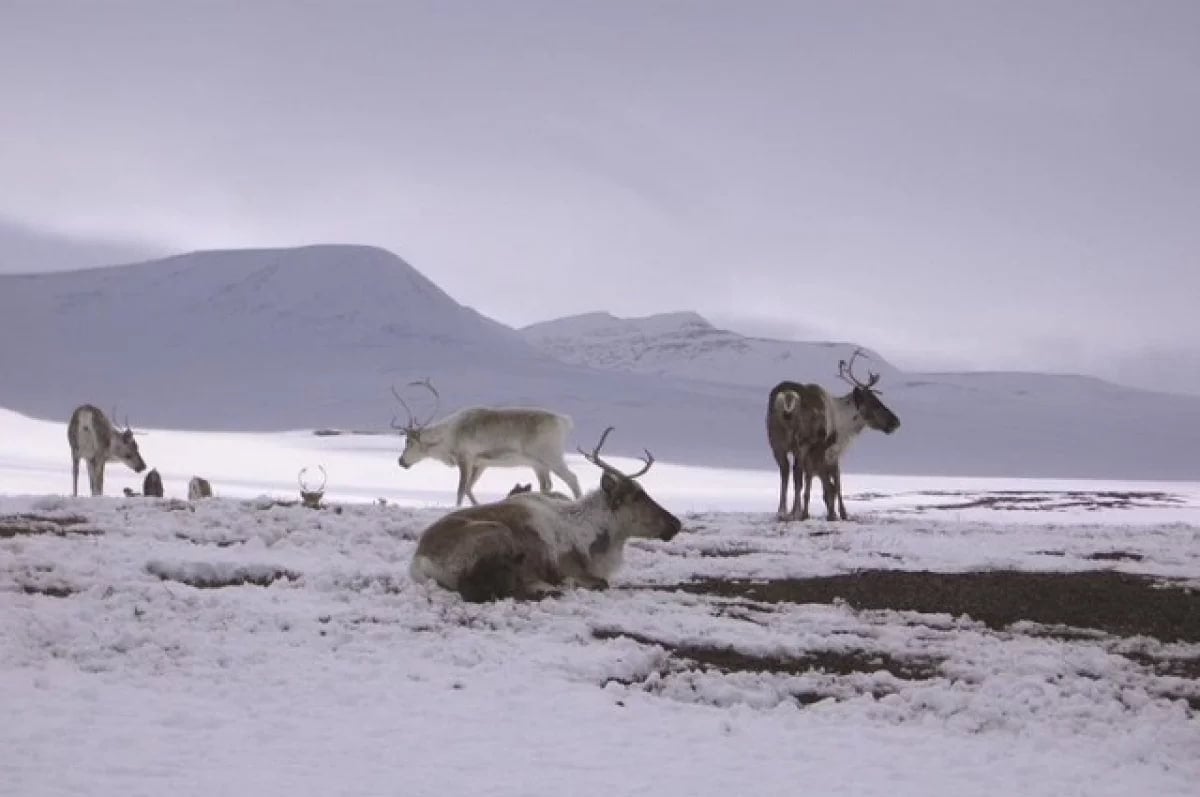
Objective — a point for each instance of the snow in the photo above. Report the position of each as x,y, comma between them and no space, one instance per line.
343,677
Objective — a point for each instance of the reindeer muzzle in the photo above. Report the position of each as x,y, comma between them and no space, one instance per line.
672,529
403,464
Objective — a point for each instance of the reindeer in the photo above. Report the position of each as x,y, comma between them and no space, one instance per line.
847,416
527,546
93,438
199,488
796,423
476,438
815,429
152,487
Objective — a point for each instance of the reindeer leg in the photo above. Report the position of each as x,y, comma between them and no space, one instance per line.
829,493
93,478
543,477
575,573
801,478
561,470
74,475
781,461
464,473
837,480
476,472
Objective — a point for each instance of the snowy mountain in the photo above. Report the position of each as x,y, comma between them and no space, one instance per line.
985,422
686,345
312,337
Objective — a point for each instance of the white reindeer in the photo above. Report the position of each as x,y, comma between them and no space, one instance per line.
477,438
847,416
94,439
529,544
199,488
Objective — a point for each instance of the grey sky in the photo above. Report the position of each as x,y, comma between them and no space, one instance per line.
956,184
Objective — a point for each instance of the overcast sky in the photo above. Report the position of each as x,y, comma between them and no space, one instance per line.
957,184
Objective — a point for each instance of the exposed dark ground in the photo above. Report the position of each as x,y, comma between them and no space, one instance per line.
1117,603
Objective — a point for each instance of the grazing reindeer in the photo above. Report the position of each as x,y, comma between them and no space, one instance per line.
93,438
199,488
527,545
847,416
477,438
152,487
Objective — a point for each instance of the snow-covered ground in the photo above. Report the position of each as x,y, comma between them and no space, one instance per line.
119,676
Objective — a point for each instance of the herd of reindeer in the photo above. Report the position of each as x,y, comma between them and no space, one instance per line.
530,544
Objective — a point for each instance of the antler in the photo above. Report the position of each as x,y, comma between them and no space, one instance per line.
113,416
304,487
595,459
413,424
846,372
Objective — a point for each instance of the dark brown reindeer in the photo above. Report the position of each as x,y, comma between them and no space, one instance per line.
477,438
152,486
815,429
94,439
530,545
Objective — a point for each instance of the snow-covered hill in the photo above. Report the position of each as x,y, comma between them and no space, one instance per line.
983,422
686,345
312,337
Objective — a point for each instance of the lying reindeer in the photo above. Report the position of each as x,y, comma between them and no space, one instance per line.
528,545
94,438
477,438
152,487
199,488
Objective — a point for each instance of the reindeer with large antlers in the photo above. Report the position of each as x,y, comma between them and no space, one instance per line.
815,428
477,438
529,545
93,438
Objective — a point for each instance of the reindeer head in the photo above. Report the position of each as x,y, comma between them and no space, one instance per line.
415,449
866,397
124,447
637,514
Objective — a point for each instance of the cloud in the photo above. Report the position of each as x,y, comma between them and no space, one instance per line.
954,184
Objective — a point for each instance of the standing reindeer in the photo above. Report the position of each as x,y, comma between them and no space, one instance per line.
815,429
476,438
796,423
848,416
528,545
93,438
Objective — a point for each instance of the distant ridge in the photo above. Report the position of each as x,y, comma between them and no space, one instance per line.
312,337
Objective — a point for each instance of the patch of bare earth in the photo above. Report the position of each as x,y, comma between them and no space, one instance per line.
1009,500
58,525
1122,604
